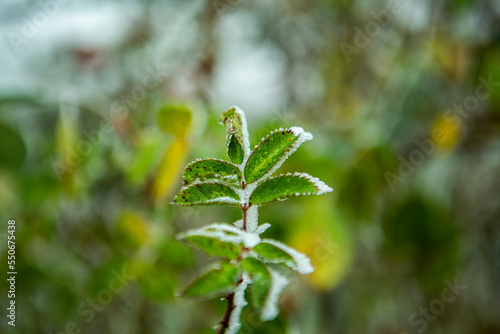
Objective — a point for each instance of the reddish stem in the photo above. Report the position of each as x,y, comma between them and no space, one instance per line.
244,210
224,324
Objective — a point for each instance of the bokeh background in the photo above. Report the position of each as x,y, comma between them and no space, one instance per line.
102,103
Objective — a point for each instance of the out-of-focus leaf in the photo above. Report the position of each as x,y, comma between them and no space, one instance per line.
261,281
325,239
68,159
206,194
175,120
286,186
214,247
208,169
12,149
273,251
273,150
236,134
131,229
445,133
215,282
146,156
169,170
226,234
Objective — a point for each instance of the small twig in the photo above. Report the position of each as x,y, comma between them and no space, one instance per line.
224,324
244,210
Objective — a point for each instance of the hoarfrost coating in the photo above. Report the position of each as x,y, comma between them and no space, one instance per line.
239,303
278,283
246,231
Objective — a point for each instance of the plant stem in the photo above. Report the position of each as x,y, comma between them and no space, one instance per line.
224,324
244,211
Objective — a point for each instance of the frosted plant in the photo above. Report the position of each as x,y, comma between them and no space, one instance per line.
246,259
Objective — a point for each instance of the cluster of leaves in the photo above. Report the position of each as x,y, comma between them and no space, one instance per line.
245,182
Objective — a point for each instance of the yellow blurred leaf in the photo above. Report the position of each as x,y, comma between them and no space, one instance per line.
446,133
66,140
326,241
132,229
170,168
175,120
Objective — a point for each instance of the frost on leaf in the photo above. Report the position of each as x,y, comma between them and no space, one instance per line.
288,185
247,184
209,169
206,194
215,282
237,141
248,239
261,281
212,245
278,283
239,303
272,151
273,251
262,228
227,236
252,219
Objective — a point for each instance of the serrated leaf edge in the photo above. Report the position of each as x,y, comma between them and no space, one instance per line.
229,200
302,136
184,184
321,186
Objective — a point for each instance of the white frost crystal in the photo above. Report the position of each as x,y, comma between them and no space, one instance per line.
278,283
322,187
224,232
262,228
246,140
250,236
252,219
239,303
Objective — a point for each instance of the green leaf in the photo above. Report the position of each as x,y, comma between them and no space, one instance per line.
227,236
272,251
261,281
235,151
220,239
214,246
285,186
215,282
206,194
208,169
236,134
272,151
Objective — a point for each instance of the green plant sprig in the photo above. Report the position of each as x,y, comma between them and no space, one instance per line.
247,260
